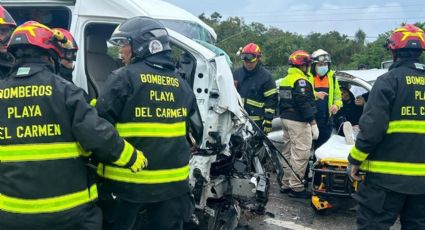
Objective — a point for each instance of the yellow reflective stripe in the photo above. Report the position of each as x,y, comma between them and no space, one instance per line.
47,205
143,176
254,103
270,92
255,118
93,102
39,152
267,122
406,126
125,155
394,168
357,154
139,129
270,111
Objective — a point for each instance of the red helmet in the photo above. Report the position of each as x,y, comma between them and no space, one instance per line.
251,52
7,24
406,37
299,58
67,42
32,33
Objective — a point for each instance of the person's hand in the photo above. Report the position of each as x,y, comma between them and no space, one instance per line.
315,131
140,162
360,101
353,172
334,109
321,95
267,126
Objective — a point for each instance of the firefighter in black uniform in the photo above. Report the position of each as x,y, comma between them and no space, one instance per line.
45,125
390,145
257,88
69,54
150,105
7,25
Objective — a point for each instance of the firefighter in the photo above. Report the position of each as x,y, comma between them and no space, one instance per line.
45,125
297,110
256,86
150,105
7,25
329,95
69,50
390,145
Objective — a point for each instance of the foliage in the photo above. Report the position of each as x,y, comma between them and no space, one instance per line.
277,45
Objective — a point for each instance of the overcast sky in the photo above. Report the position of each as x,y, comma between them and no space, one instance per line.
303,17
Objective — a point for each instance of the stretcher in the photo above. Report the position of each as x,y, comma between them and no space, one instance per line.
330,181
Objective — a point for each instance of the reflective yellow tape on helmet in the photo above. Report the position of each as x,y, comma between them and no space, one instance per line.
125,155
270,92
254,103
39,152
406,126
139,129
394,168
357,154
47,205
143,176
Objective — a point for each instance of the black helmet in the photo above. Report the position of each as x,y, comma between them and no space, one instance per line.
146,36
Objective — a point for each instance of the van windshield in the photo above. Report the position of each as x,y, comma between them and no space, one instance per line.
189,29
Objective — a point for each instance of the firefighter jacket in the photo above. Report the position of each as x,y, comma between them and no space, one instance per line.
390,145
6,62
331,86
258,91
150,105
45,123
296,97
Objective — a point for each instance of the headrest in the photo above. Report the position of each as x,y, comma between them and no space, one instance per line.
96,44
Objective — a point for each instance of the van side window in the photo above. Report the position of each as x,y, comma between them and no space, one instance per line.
185,63
101,58
52,17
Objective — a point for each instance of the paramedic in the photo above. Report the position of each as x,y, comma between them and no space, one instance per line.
297,110
390,145
324,81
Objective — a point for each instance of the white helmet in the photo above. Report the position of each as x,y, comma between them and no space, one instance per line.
321,56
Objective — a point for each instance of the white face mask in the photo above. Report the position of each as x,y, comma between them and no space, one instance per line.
322,70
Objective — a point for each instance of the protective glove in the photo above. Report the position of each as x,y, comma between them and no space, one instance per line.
267,126
353,172
140,163
315,131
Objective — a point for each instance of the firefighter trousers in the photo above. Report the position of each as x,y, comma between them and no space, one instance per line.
297,139
380,207
87,217
165,215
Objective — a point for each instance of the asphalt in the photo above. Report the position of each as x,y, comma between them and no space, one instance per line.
283,212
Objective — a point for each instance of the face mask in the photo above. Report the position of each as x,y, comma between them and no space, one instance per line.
322,70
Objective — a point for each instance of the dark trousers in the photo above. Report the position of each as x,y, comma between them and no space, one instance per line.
164,215
380,207
88,217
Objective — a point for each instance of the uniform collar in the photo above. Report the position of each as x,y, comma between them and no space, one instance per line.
29,66
405,62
